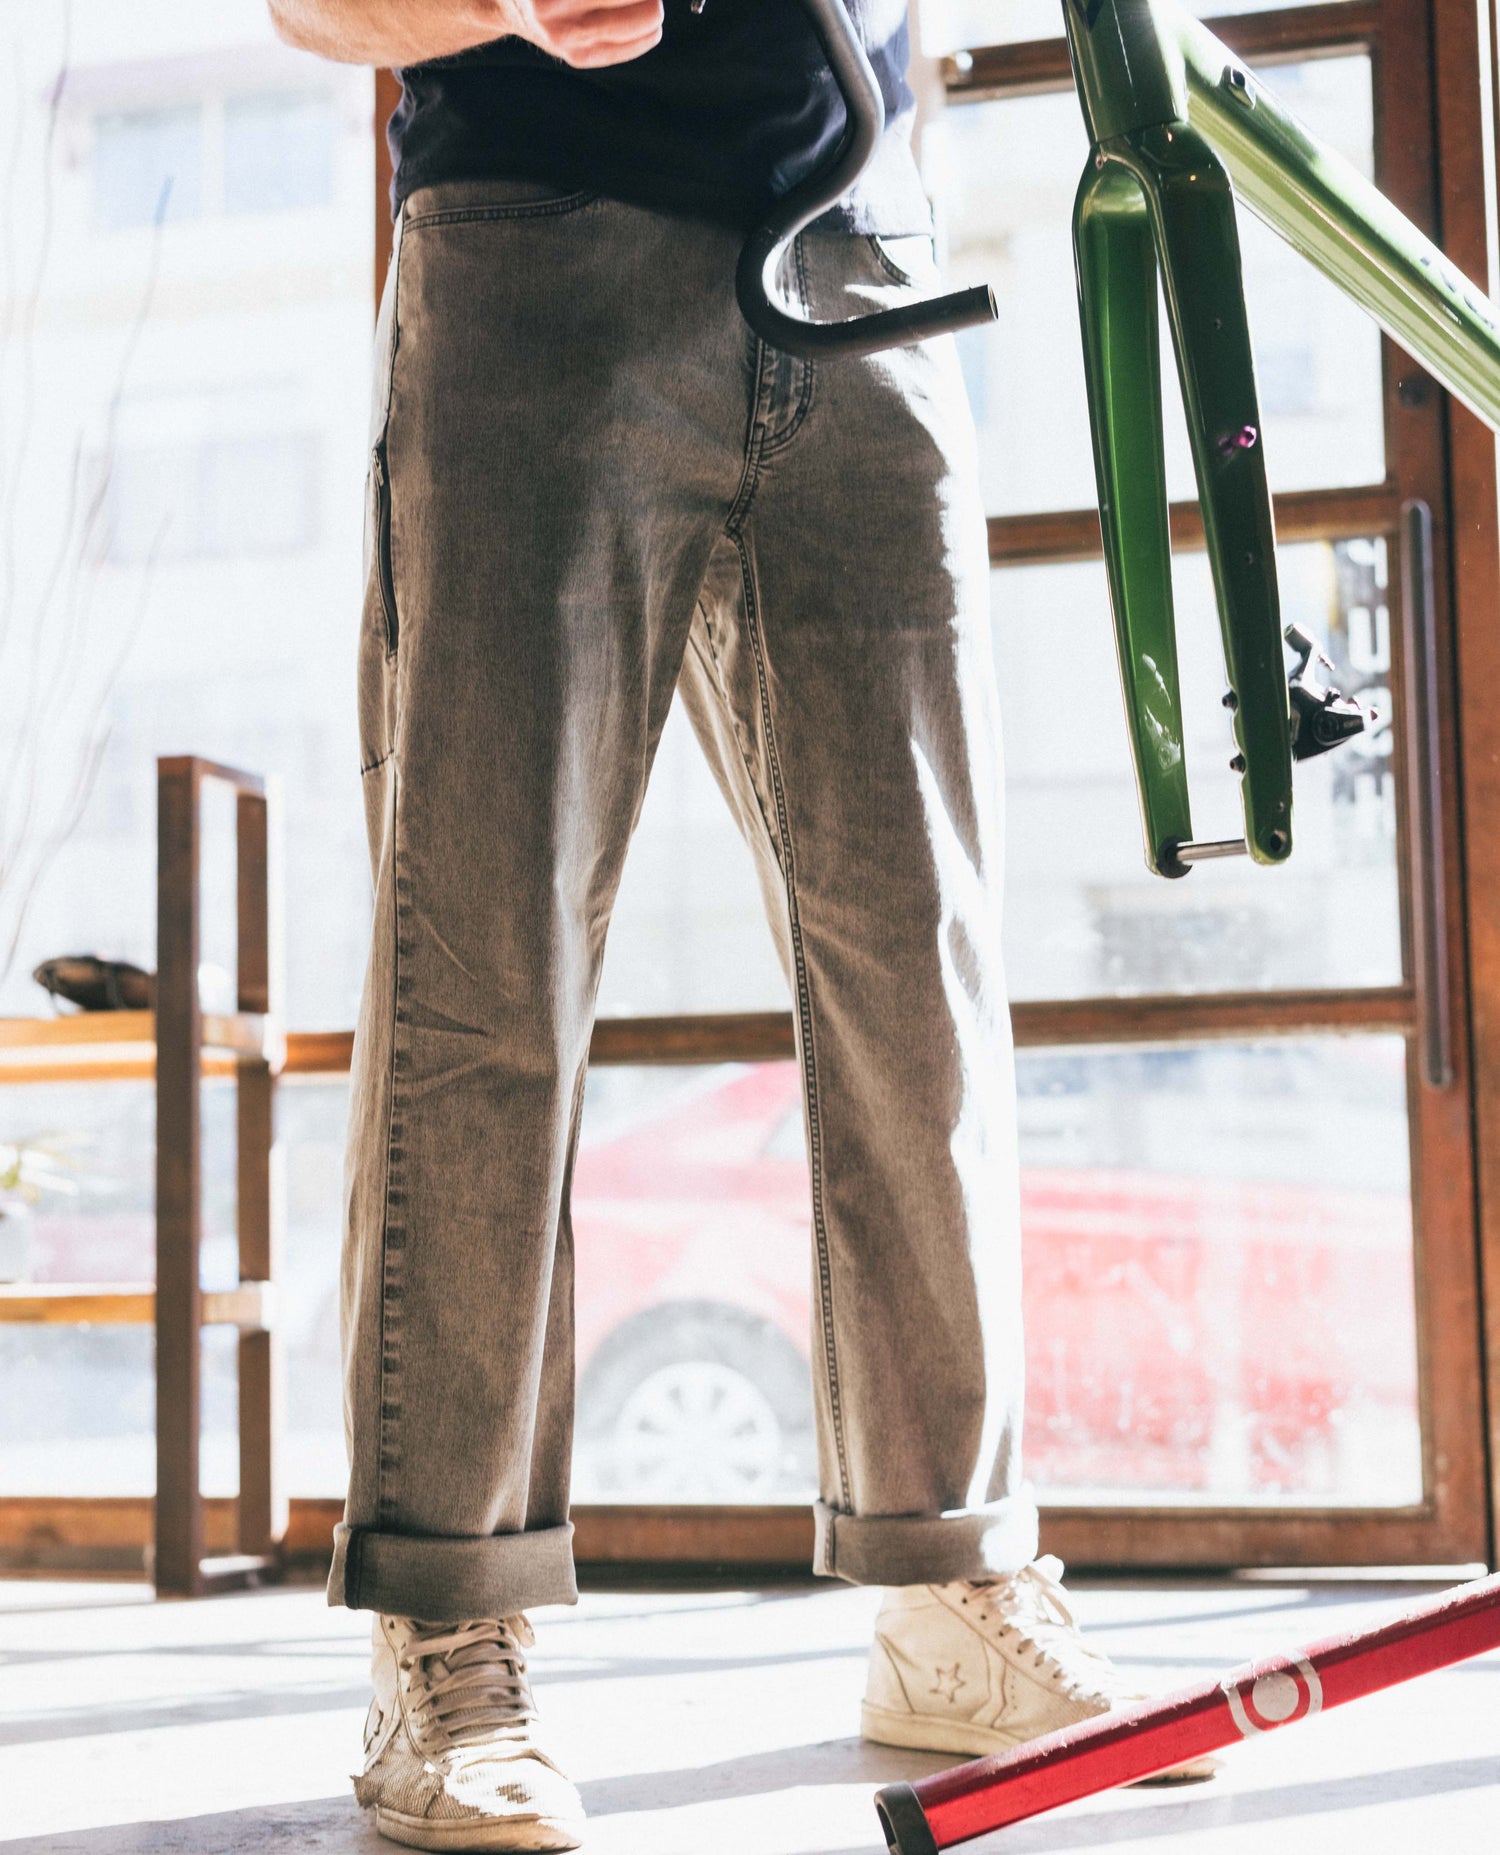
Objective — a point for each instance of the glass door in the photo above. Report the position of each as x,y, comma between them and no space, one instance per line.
1244,1097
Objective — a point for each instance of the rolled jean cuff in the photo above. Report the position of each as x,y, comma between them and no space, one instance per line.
444,1580
896,1549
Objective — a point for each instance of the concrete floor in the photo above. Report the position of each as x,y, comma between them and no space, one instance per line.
697,1724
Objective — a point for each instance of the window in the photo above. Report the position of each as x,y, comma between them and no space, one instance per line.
278,152
1316,352
202,560
1084,918
1228,1135
1207,1321
148,167
213,154
221,497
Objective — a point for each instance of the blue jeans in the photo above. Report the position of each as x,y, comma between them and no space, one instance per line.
591,487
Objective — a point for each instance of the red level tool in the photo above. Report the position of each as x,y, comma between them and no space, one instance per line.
1140,1741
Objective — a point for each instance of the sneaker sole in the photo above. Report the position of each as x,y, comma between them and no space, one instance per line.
526,1833
919,1732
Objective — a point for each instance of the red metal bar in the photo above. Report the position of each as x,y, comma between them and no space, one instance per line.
1137,1742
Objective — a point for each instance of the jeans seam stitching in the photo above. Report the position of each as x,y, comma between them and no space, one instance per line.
390,1287
389,1369
805,1022
755,439
888,264
777,442
478,215
717,669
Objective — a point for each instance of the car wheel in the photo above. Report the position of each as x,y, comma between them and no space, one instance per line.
696,1402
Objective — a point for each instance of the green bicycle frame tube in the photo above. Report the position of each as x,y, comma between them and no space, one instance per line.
1141,63
1326,209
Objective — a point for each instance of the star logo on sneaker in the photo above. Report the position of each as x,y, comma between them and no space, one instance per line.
948,1682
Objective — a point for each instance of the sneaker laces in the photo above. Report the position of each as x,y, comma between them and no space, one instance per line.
1031,1608
467,1681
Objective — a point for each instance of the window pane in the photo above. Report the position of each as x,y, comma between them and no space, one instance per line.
86,1425
260,493
1084,917
148,166
1205,1321
256,494
690,1215
1208,1318
278,152
183,540
311,1115
98,1226
689,930
85,1422
1005,174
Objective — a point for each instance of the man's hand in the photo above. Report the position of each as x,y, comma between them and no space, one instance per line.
588,33
584,33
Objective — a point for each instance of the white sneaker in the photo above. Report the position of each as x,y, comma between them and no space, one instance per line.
984,1666
451,1756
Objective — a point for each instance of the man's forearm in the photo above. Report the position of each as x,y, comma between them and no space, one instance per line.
585,33
388,32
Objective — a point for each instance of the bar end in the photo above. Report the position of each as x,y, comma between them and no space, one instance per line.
907,1831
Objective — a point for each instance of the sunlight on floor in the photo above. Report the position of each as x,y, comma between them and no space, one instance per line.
721,1722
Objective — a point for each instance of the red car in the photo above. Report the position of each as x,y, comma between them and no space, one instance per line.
1185,1335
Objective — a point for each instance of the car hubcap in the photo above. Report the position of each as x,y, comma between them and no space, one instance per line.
698,1429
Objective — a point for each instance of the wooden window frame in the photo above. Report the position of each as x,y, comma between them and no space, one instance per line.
1423,58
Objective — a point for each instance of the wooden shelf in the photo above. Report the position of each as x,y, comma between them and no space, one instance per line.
127,1304
119,1046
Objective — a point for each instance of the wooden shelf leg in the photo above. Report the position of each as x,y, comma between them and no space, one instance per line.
179,1179
263,1507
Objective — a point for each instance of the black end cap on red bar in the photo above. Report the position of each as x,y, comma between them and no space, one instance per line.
907,1831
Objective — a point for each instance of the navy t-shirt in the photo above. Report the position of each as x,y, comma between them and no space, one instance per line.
733,107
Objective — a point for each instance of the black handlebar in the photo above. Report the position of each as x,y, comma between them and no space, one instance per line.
754,277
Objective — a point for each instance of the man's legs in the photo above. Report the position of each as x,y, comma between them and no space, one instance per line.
840,675
556,441
841,678
561,472
558,432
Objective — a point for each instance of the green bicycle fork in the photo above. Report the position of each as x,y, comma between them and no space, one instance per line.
1172,114
1155,202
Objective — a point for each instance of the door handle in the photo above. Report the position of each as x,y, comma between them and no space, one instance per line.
1429,912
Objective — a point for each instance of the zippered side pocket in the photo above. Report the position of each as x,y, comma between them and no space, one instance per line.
384,570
